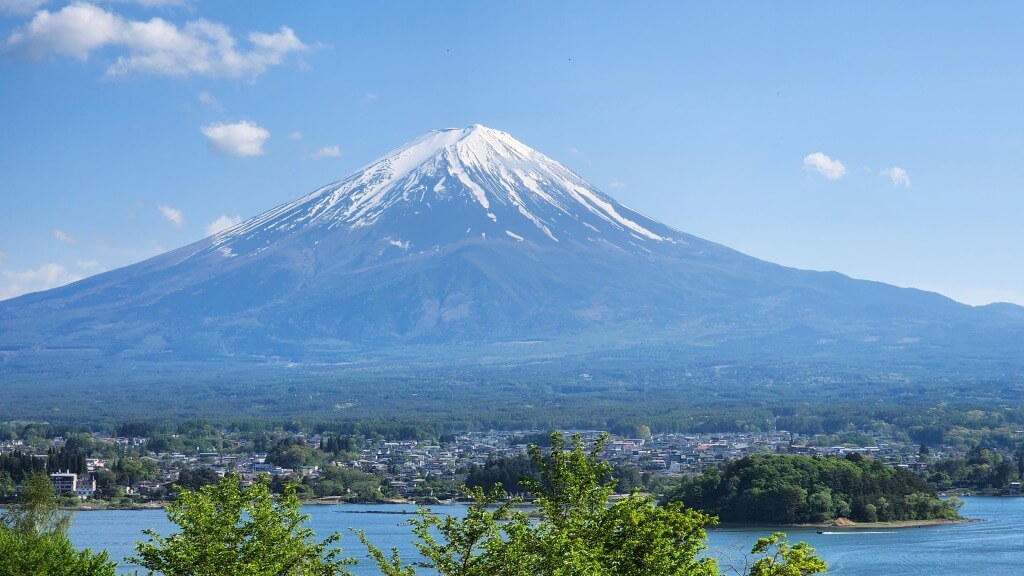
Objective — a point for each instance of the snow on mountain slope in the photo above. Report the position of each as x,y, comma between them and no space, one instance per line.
469,236
494,184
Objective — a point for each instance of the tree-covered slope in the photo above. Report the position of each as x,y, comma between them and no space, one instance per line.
793,489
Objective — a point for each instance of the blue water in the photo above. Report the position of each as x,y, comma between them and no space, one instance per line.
993,547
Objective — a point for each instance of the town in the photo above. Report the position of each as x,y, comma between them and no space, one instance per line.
132,471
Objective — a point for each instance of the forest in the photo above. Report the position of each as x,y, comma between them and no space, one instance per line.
793,489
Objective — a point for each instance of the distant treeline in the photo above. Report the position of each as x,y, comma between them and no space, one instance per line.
506,471
979,469
790,489
18,465
936,425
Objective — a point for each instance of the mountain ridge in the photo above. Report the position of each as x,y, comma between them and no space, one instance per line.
465,237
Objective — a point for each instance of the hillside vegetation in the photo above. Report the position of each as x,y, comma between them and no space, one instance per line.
787,489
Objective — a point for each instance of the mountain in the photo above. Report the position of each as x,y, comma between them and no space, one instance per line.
465,238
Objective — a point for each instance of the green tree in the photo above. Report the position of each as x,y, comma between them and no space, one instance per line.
106,485
292,453
196,478
38,509
776,557
774,488
577,533
488,541
339,481
582,535
33,537
226,530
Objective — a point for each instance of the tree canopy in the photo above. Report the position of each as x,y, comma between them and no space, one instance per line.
34,540
578,533
785,489
227,529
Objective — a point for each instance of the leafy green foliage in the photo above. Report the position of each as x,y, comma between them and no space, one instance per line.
20,465
776,557
132,470
799,489
195,478
979,469
503,471
348,482
581,534
578,533
227,530
292,454
33,537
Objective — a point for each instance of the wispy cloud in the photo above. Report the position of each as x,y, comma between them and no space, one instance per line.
574,150
173,215
616,184
46,276
88,264
237,139
222,223
207,99
369,98
65,237
295,135
898,176
822,164
327,152
155,46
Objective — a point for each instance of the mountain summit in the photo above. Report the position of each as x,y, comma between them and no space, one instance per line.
469,237
450,185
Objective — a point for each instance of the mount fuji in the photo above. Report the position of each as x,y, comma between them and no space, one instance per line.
465,238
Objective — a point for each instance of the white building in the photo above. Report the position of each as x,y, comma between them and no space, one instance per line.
68,482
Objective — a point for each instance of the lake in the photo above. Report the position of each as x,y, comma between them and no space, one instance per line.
993,546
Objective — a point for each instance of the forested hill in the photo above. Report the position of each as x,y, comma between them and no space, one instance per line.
785,489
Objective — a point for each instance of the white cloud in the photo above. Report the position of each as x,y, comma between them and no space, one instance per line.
51,275
827,167
20,6
222,223
616,184
574,150
75,31
295,135
238,139
173,215
370,97
65,237
88,264
207,99
327,152
898,176
156,46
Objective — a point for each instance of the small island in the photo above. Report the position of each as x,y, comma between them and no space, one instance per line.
845,492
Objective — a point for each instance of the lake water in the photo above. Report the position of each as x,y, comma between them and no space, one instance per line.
993,546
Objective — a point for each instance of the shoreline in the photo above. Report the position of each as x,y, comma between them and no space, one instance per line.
851,526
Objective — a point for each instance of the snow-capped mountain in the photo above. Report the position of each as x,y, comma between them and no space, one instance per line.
423,192
468,236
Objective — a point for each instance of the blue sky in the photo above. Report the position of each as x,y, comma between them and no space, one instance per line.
884,140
